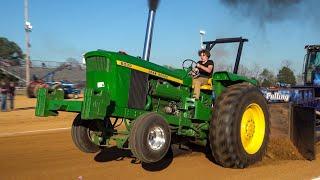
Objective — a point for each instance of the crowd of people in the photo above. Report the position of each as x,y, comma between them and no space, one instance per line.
7,92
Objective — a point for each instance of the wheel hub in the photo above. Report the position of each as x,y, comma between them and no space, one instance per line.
252,128
156,138
94,134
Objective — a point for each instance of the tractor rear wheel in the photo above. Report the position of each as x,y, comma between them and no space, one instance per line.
84,133
150,138
240,127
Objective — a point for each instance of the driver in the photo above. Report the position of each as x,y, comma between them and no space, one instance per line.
205,67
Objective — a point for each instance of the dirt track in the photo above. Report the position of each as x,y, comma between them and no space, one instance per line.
41,148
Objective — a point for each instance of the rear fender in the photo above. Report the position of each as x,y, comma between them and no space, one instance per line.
223,79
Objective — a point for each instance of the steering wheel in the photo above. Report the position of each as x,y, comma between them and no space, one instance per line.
191,66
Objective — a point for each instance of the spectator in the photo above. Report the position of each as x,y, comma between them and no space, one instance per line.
3,93
11,94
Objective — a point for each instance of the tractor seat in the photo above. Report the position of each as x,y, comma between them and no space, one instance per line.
207,86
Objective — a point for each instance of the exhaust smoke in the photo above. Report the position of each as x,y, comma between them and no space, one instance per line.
270,11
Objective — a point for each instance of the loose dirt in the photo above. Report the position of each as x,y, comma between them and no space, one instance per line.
280,146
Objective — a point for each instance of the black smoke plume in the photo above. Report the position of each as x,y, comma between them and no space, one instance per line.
270,11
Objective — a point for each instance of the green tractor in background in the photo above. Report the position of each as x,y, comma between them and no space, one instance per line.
155,104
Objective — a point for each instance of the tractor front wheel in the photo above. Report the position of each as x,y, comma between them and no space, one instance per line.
239,128
150,138
86,134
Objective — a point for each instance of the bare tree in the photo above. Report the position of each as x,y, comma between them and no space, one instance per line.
256,71
299,79
244,71
286,63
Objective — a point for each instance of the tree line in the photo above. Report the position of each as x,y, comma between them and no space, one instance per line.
10,51
285,75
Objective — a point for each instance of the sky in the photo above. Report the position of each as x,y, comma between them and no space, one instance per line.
63,29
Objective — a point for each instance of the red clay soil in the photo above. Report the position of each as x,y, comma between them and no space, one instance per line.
41,148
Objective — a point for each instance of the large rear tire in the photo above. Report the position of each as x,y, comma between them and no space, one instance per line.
81,133
240,127
150,138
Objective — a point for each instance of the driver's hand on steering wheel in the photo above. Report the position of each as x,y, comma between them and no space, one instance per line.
194,72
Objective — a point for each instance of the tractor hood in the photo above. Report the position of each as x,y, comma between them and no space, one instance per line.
135,63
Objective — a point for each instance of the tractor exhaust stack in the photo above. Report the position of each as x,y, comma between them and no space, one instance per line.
153,4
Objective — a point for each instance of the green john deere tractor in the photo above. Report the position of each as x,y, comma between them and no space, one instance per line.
155,105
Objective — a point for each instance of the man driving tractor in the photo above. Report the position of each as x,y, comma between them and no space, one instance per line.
205,69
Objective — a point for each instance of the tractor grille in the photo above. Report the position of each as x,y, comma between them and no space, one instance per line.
138,90
98,63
